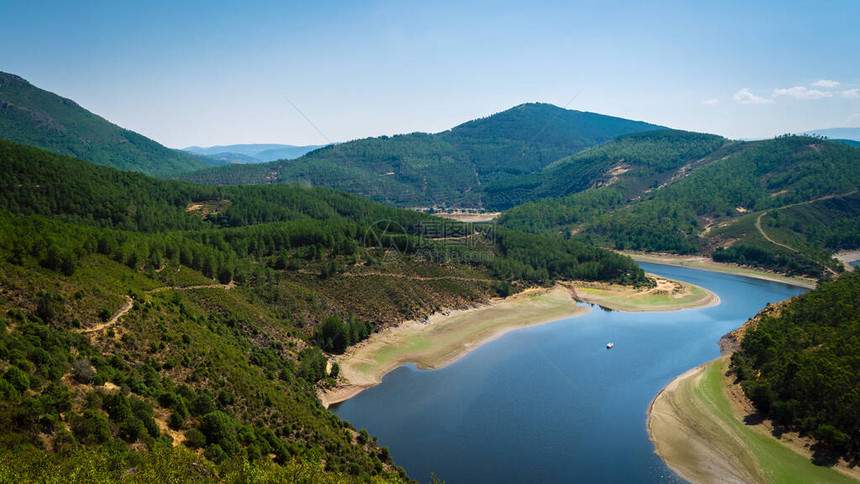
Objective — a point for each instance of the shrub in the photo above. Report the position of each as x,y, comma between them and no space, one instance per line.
219,428
202,404
8,391
215,453
91,427
194,438
176,421
117,407
18,379
83,371
131,429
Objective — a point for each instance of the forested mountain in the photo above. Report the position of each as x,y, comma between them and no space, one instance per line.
799,365
781,203
40,118
485,163
253,153
139,314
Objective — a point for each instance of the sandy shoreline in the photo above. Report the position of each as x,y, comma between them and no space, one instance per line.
682,436
702,434
667,295
846,257
446,337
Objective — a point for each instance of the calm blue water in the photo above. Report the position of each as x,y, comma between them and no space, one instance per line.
855,263
551,403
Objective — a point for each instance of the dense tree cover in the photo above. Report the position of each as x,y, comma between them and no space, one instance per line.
832,223
334,335
677,214
778,260
230,368
535,258
40,118
285,222
638,160
162,464
481,163
59,387
801,367
606,177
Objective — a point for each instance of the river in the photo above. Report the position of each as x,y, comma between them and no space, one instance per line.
551,403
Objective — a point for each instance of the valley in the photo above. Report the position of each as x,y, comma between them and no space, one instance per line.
344,312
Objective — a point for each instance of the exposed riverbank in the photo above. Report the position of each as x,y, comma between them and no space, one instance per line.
445,337
667,295
708,264
698,426
847,257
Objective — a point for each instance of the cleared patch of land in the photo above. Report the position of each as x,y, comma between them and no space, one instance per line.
847,257
697,424
445,337
708,264
667,295
469,216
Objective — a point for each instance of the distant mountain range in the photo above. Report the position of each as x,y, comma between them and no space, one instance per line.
252,153
43,119
491,163
852,134
785,203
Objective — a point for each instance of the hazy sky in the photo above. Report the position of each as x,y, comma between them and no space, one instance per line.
204,73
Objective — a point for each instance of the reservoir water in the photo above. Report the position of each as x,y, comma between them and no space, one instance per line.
551,403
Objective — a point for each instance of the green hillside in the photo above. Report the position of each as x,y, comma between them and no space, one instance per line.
706,194
799,366
35,117
145,319
486,163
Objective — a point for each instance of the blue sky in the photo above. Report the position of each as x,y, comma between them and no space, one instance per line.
205,73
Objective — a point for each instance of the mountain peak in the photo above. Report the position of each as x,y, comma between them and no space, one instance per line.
40,118
542,122
7,79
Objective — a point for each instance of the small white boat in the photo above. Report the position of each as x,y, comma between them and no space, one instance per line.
609,345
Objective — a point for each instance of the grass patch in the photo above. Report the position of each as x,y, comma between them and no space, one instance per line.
668,295
718,423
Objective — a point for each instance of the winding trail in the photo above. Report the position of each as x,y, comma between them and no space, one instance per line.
767,237
126,307
808,202
417,278
129,303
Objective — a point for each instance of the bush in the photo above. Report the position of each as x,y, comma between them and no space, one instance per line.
253,452
8,391
117,407
202,404
219,428
312,364
215,453
19,380
57,397
176,421
831,436
105,314
83,371
91,427
131,429
194,438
